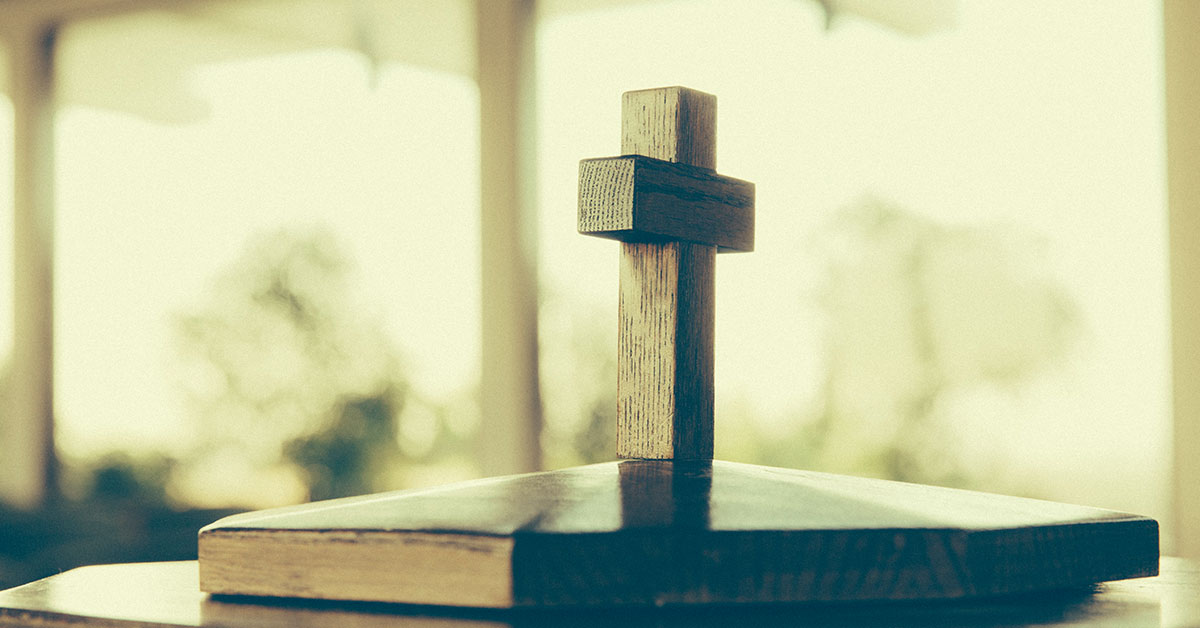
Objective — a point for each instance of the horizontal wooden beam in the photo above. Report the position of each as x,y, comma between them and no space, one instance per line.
16,14
641,199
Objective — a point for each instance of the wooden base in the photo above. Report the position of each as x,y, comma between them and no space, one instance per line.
641,532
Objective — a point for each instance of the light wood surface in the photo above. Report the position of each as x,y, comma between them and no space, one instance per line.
652,533
664,346
363,565
637,199
673,218
674,124
665,351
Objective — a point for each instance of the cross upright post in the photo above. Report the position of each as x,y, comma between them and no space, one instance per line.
672,212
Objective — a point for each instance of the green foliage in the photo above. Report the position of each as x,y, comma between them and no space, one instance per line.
351,452
915,312
283,366
119,511
118,478
578,370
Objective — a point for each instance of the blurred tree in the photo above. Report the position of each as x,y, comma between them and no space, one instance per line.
114,508
282,370
577,360
917,311
351,452
118,478
283,367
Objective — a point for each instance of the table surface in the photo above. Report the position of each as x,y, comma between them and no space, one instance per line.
166,594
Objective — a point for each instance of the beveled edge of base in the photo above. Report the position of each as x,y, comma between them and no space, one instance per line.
357,565
683,568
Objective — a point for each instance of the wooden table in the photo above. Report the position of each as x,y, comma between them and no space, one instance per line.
166,594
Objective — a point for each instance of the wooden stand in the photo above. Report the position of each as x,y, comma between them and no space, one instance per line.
667,525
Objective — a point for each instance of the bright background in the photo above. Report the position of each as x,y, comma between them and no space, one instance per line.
1033,128
1016,157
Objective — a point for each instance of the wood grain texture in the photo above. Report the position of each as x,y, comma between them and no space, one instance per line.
664,359
363,565
665,351
673,124
648,532
639,199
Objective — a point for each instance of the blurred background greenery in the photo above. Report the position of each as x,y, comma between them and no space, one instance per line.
960,242
287,377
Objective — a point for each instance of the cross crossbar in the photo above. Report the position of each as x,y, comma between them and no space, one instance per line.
641,199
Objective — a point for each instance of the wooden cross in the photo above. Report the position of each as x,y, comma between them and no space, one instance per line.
672,213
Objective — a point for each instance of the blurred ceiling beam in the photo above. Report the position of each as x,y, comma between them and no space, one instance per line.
48,13
910,17
176,36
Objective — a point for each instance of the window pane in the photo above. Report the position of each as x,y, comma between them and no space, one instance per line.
248,262
959,273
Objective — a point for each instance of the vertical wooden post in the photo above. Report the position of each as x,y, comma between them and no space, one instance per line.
511,405
665,351
28,470
1181,19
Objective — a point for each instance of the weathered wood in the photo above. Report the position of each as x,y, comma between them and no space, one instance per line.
364,565
642,532
665,351
674,124
664,359
639,199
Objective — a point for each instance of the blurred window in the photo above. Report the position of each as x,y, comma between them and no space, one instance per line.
959,273
260,249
